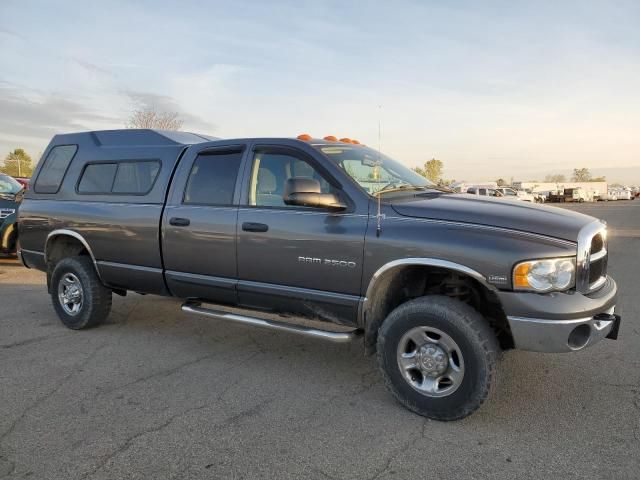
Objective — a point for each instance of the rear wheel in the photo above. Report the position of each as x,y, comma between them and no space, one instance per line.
79,298
438,357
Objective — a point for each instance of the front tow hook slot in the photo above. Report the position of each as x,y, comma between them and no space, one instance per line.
616,319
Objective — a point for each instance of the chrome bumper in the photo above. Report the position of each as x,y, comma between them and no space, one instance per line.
557,336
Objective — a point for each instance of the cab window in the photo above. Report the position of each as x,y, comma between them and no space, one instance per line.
270,172
212,179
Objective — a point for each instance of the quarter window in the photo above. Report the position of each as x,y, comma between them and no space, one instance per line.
54,168
212,179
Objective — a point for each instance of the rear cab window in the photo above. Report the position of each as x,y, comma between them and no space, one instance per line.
54,169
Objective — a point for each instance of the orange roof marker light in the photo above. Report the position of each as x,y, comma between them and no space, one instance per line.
345,140
355,142
330,138
305,137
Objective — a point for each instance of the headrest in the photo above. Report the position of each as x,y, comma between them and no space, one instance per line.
266,181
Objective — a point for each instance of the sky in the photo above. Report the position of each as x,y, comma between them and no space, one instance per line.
493,89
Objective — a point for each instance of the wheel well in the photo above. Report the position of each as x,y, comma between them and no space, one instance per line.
62,246
405,283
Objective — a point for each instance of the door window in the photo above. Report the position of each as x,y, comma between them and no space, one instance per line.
270,173
212,180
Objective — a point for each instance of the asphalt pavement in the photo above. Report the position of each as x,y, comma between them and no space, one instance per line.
158,394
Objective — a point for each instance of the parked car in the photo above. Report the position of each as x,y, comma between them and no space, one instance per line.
485,192
567,195
10,191
624,194
513,194
612,195
436,283
23,181
535,197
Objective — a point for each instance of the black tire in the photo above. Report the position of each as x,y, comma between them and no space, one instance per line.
472,334
95,302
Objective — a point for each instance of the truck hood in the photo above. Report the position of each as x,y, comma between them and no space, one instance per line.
510,214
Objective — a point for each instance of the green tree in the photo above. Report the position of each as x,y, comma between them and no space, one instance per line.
555,178
432,170
581,175
501,182
18,164
599,179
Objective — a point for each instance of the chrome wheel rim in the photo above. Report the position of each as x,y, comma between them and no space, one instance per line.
430,361
70,294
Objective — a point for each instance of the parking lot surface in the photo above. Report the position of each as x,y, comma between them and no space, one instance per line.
157,394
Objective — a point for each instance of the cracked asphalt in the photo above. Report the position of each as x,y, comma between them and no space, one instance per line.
158,394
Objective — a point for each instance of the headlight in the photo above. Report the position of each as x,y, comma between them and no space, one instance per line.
545,275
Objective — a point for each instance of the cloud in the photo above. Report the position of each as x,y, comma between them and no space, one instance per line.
33,117
91,67
30,117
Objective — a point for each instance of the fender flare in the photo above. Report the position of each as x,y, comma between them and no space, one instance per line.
394,265
75,235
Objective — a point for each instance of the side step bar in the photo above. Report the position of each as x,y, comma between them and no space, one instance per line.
339,337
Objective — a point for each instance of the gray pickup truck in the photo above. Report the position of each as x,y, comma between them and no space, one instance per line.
284,232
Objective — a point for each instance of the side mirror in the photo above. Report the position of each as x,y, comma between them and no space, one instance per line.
306,192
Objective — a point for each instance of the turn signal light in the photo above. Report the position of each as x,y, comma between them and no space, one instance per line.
305,137
520,275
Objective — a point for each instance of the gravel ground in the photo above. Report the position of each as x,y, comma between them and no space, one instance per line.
158,394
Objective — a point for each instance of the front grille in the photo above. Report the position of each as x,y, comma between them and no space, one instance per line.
597,261
5,212
592,257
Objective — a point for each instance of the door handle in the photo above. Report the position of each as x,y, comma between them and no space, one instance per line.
254,227
179,222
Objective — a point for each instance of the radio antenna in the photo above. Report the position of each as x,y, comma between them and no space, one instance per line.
379,215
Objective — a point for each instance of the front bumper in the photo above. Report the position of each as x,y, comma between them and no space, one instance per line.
561,322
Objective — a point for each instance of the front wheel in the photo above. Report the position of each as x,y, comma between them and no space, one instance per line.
438,357
79,298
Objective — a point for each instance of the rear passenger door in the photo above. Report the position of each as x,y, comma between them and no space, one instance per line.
199,224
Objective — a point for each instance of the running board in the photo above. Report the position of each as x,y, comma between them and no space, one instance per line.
339,337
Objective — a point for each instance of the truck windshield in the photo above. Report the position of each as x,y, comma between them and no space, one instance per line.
8,185
375,172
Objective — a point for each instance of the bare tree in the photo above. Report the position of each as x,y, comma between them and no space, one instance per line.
555,178
151,118
581,175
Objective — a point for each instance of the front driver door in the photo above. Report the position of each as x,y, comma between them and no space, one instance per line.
299,260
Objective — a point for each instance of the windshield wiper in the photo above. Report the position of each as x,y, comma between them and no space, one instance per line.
401,188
